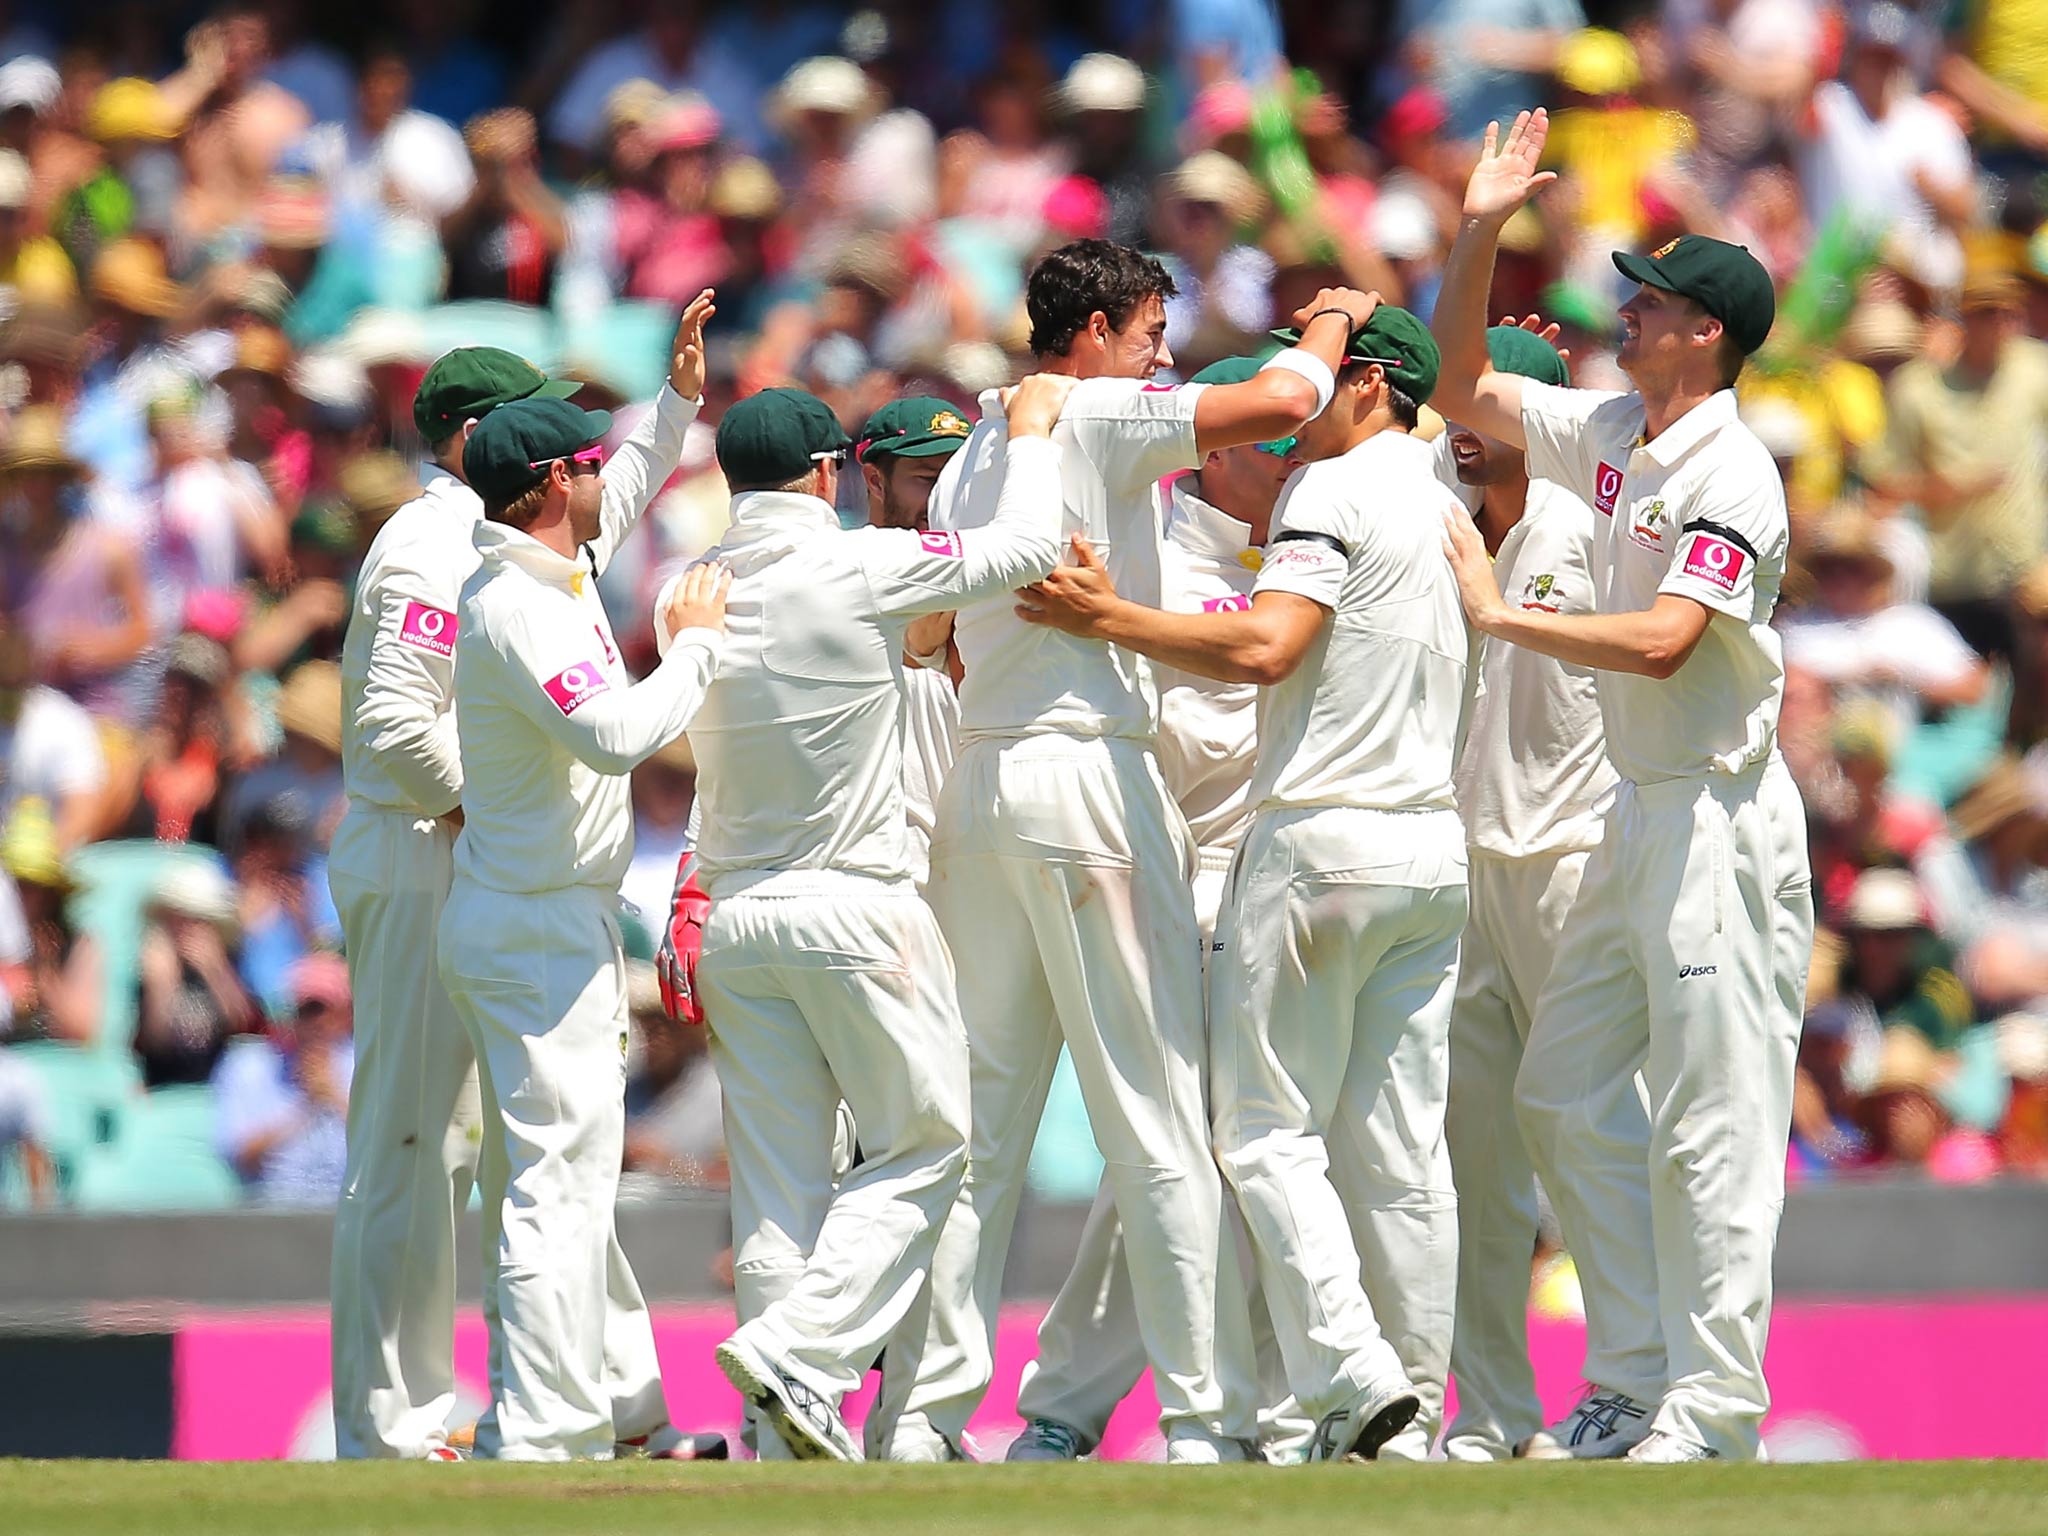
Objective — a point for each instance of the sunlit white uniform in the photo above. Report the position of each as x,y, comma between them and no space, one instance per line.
1685,955
1529,782
1090,1354
1331,978
823,971
550,723
413,1134
1060,865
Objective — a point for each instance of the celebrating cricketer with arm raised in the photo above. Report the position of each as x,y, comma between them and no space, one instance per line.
413,1138
1685,954
1331,977
1061,863
549,723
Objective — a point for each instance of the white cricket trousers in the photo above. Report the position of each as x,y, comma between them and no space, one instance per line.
1060,870
1518,909
413,1141
539,981
1330,988
1090,1354
811,999
1685,957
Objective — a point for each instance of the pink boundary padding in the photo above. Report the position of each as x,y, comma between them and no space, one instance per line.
1887,1380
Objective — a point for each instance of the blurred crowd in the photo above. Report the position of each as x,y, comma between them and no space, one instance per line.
231,240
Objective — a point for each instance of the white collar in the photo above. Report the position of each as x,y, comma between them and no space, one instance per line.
1202,528
756,512
502,544
1691,429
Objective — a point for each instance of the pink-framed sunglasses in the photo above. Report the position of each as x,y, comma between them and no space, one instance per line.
589,462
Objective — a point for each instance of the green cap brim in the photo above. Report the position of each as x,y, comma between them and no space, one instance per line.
556,389
931,447
1642,270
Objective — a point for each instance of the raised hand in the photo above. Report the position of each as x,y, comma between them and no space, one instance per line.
1359,306
686,367
1506,176
1544,330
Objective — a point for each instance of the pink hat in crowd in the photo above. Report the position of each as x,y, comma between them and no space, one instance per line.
319,978
1077,208
216,614
1218,111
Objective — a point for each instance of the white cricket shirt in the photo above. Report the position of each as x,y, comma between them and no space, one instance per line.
1208,730
1699,513
398,734
1370,717
1119,437
931,739
550,722
1535,758
800,779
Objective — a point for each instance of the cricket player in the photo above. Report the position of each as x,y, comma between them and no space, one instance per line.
1685,955
1529,782
823,974
1335,960
902,450
549,725
1090,1354
414,1136
1061,866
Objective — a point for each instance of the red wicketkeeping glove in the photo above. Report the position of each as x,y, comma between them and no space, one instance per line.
676,963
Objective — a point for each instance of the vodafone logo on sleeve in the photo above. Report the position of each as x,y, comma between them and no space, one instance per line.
573,687
1237,602
940,544
429,629
1713,559
1606,488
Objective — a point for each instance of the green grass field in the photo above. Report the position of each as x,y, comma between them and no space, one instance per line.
1878,1499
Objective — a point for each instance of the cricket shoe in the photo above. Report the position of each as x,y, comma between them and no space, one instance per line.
670,1444
1603,1426
443,1453
1204,1451
1049,1440
1369,1421
809,1425
1660,1448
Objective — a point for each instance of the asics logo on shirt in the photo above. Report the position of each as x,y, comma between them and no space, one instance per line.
1686,972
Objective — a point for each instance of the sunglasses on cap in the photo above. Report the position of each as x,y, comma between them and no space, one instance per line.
832,456
588,462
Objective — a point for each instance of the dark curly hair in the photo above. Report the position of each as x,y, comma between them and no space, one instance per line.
1081,277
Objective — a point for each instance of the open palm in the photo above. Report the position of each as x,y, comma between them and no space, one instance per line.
1506,176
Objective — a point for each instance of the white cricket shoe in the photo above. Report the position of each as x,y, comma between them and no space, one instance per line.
442,1453
1603,1426
1049,1440
1369,1421
809,1425
1200,1450
1660,1448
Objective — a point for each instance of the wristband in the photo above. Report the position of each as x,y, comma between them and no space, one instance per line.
1310,367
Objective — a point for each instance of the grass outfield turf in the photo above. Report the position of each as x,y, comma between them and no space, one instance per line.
278,1499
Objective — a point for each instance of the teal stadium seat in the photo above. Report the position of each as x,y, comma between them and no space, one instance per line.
88,1094
163,1160
115,881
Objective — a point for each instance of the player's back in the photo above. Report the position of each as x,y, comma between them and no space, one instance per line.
1370,717
799,743
1118,436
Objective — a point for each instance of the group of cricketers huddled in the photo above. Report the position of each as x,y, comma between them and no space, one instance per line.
1378,823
